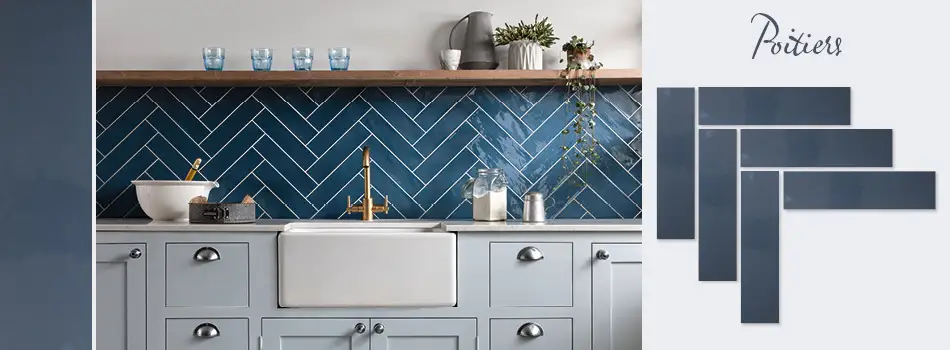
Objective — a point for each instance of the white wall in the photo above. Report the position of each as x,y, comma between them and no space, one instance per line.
382,34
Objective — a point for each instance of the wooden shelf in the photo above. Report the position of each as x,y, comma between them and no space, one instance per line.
353,78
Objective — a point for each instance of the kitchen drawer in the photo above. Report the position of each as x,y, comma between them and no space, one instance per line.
206,275
206,334
531,274
532,334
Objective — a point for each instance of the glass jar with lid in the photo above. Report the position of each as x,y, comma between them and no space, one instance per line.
488,192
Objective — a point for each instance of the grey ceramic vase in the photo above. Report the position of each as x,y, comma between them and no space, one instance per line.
478,52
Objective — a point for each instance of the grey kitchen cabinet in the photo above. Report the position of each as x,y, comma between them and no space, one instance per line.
120,296
616,296
206,334
532,334
315,334
423,334
366,334
211,290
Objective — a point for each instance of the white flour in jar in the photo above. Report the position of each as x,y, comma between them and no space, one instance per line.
491,207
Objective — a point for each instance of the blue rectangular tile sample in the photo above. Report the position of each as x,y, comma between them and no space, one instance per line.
860,190
718,185
774,106
817,148
675,163
298,149
760,247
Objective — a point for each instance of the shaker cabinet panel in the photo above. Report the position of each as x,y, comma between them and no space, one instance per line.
120,296
423,334
207,334
531,274
532,334
206,275
316,334
616,296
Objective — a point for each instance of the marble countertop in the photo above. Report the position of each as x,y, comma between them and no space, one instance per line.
267,225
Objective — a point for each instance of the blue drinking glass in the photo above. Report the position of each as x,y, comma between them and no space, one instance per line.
339,58
261,59
303,58
213,58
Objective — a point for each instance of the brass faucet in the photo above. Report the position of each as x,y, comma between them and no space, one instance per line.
367,207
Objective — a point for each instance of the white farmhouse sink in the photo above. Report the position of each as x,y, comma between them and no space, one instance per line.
366,266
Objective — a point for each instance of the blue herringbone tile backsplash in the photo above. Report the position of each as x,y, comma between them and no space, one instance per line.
297,150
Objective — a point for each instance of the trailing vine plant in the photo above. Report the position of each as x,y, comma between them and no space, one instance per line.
579,142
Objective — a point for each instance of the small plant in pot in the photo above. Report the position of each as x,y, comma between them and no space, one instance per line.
526,43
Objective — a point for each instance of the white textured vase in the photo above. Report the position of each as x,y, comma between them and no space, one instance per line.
525,55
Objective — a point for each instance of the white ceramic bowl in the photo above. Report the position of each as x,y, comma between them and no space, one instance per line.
165,200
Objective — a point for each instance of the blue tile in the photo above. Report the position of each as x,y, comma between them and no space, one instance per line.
427,94
774,106
231,100
444,127
213,94
501,114
303,104
321,94
397,119
860,190
117,105
759,278
445,180
676,168
596,206
236,121
718,206
393,139
119,130
187,97
285,166
454,144
339,103
446,100
817,148
184,116
405,99
497,138
619,99
348,143
292,118
339,126
293,194
423,143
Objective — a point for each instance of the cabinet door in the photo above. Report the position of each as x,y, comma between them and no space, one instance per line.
120,296
423,334
616,296
315,334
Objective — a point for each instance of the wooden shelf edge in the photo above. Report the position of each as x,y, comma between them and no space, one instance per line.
354,78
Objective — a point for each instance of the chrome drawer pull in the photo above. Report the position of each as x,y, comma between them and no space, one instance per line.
207,254
360,328
530,254
206,330
135,253
602,255
379,329
530,330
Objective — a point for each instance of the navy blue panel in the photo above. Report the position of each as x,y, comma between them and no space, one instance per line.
299,148
676,168
46,129
718,184
817,148
861,190
774,106
760,247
